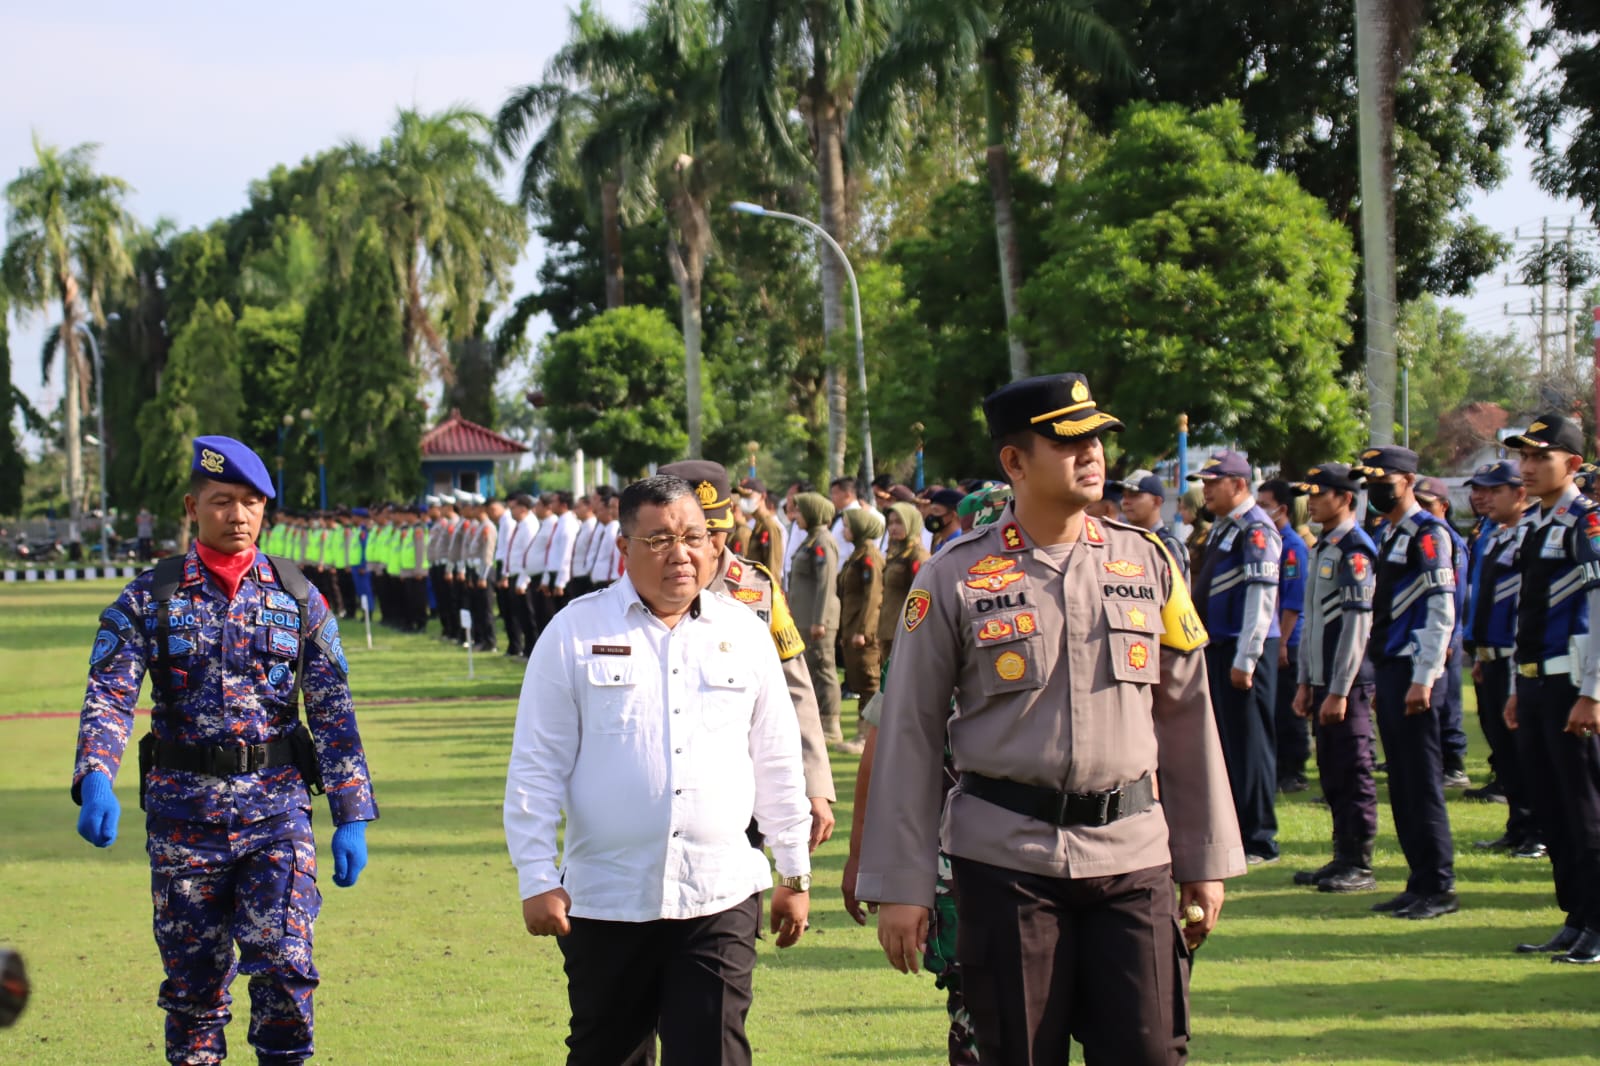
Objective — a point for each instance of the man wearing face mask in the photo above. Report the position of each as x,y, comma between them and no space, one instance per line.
1434,496
1236,593
941,519
766,533
1413,618
1293,743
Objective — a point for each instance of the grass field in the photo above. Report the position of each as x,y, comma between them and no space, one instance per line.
425,960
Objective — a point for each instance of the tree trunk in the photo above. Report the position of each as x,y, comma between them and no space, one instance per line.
1377,64
829,131
611,233
72,430
998,160
688,269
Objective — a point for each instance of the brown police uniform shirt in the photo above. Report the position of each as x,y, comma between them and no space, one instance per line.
861,593
899,570
813,577
753,585
766,544
1080,673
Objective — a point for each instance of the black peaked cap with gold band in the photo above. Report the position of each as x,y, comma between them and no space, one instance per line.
711,487
1336,477
1055,406
1551,431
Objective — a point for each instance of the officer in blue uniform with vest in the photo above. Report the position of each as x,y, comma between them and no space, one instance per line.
231,639
1556,709
1293,742
1413,621
1434,496
1335,679
1491,635
1236,593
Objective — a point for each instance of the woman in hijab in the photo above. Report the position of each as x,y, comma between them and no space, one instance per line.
861,601
814,600
906,556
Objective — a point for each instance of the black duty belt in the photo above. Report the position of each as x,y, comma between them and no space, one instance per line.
1063,808
223,760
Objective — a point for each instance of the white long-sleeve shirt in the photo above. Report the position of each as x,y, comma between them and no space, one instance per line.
592,557
522,534
578,554
659,745
533,555
608,563
504,529
558,556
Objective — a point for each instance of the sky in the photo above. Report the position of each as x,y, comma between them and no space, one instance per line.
192,101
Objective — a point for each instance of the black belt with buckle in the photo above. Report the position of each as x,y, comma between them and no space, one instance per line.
1063,808
223,760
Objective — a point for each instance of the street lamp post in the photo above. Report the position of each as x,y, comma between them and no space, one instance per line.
100,424
744,207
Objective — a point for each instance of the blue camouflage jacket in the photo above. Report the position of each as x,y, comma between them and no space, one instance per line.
233,674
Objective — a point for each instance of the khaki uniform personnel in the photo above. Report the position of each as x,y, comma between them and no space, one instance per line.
861,601
766,532
754,586
1075,667
814,597
900,565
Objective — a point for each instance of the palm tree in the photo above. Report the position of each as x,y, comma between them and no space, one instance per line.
64,231
582,81
947,42
452,240
776,51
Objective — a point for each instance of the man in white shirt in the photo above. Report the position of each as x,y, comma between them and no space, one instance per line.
505,528
519,618
533,562
655,716
607,565
842,491
582,543
558,557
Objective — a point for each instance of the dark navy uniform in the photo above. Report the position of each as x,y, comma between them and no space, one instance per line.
1175,547
1293,742
1333,661
1236,593
1414,608
1492,633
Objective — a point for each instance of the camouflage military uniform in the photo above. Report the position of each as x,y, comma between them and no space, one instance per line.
232,858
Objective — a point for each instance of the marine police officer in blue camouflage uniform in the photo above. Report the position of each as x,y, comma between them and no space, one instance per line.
230,639
1413,622
1236,593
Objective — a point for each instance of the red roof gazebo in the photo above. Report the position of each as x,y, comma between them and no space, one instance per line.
460,454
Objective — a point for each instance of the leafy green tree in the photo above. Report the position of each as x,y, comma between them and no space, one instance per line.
781,56
615,388
269,364
64,227
1561,110
948,41
201,392
360,382
1177,262
430,185
13,466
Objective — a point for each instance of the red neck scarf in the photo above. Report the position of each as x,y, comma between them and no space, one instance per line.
228,570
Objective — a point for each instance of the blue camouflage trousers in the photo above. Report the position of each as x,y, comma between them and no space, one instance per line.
215,885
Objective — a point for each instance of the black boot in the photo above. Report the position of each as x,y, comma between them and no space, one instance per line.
1311,877
1561,943
1356,873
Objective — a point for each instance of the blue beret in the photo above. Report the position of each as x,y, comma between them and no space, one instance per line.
225,459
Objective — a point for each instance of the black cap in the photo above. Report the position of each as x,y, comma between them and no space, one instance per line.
1433,488
753,484
1056,406
1389,459
1329,477
950,498
710,484
1150,484
1551,431
1503,472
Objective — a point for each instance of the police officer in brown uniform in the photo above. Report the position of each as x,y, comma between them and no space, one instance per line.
814,595
901,562
753,585
860,601
766,533
1090,771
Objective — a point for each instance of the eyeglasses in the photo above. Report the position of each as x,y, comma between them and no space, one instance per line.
662,543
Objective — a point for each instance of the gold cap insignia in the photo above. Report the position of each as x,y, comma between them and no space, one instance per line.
211,462
706,493
1536,427
1080,392
1371,453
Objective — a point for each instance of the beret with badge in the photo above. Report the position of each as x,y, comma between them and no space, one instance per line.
227,460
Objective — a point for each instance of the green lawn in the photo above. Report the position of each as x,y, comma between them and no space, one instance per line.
425,961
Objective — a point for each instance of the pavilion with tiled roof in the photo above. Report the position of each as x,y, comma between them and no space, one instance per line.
460,454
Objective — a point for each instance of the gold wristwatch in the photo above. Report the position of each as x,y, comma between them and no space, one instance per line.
797,883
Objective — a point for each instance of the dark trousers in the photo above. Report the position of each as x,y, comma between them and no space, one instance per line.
1563,775
1452,734
1245,724
252,884
1345,760
1292,733
349,600
1416,779
1504,762
416,603
518,618
579,586
480,601
1048,959
539,601
686,980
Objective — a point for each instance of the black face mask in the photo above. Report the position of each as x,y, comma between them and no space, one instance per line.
934,523
1382,496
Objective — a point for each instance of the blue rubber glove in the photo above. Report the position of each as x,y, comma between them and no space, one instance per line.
349,853
97,822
